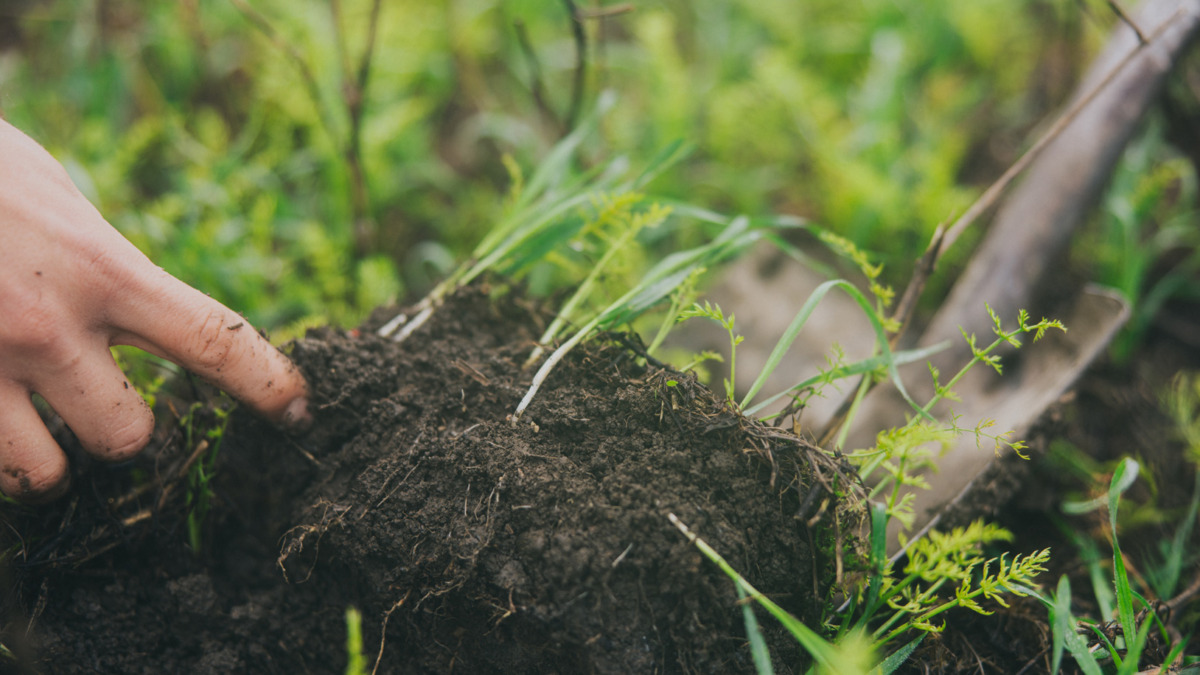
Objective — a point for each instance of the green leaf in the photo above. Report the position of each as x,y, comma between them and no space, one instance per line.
1133,649
825,653
898,657
1124,476
879,561
675,152
857,368
758,646
555,164
802,316
1064,634
1060,622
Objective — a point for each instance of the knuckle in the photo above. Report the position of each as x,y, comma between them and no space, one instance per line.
112,270
30,326
212,349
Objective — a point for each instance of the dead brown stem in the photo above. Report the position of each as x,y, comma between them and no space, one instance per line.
354,85
992,194
916,285
1120,12
536,86
581,65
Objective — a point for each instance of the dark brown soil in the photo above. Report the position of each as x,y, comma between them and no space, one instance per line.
468,545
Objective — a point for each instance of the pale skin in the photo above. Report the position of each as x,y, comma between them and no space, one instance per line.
71,287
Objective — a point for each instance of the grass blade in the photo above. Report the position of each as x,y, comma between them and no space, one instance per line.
1133,651
897,658
879,562
1063,626
555,164
1167,577
672,270
1060,622
825,653
801,318
758,646
856,368
669,156
1124,476
522,233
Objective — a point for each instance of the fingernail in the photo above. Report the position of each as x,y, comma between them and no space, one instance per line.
296,417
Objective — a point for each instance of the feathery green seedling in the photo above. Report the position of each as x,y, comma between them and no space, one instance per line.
714,312
954,558
986,354
894,451
943,571
936,562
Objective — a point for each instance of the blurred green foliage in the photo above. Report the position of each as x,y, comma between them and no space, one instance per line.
1145,242
195,133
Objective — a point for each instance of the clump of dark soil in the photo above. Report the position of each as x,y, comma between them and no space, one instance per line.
468,544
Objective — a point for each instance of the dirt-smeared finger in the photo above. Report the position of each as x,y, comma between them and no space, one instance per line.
187,327
32,466
108,416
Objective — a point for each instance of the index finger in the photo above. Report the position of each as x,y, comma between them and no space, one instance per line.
182,325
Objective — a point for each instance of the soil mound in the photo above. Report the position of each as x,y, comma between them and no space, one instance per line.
469,544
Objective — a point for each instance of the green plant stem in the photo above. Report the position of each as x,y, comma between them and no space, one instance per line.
860,393
731,383
580,294
975,359
549,364
668,322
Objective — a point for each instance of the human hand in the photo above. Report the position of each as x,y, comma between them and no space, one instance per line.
71,287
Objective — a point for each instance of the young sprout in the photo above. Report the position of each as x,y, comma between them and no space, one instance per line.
614,229
714,312
657,284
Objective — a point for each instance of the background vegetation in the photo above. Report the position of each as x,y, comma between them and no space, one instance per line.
215,135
